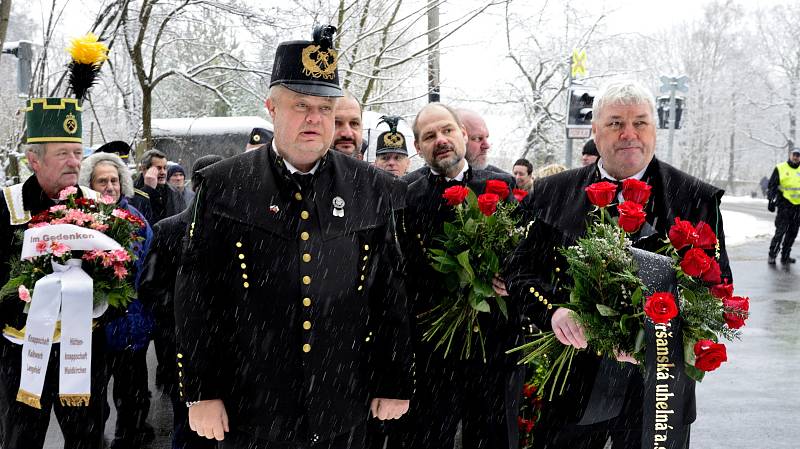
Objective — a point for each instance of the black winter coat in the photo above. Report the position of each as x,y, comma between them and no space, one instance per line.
288,303
560,208
426,213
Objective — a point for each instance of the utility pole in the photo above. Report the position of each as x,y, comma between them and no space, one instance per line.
731,170
672,84
433,52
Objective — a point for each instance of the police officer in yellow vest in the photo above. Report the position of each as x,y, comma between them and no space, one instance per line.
784,193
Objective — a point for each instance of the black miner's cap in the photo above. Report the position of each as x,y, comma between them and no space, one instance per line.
259,136
118,147
391,141
308,67
590,148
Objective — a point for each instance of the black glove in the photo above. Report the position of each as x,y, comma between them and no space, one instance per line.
771,206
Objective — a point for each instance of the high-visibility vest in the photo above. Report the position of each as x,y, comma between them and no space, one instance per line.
790,182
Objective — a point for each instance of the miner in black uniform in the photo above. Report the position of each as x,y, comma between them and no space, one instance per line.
291,317
391,154
481,394
603,398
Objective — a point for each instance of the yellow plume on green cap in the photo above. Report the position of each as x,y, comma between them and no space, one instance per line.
88,50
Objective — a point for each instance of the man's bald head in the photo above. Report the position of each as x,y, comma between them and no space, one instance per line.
477,138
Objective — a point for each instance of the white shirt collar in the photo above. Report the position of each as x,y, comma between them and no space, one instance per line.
459,177
292,169
605,174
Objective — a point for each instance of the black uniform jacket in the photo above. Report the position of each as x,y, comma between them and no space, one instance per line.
426,213
155,204
288,303
157,285
535,275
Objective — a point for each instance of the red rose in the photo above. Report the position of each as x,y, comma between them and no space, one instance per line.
660,307
529,425
722,291
714,273
739,307
455,195
695,262
519,194
487,203
636,191
706,238
528,390
631,216
525,425
682,234
709,355
602,193
497,187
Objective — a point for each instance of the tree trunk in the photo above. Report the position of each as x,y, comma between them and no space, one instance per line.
5,12
792,103
731,170
147,119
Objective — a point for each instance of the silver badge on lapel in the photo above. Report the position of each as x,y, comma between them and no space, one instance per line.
338,207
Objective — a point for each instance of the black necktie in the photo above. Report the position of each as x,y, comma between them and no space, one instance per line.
441,180
616,183
304,180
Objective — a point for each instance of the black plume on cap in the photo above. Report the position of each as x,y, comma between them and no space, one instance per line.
391,120
323,36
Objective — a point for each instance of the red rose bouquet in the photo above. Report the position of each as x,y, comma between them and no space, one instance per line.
530,410
470,252
108,269
611,302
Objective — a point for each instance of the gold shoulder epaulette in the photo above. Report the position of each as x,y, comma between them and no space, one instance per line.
142,193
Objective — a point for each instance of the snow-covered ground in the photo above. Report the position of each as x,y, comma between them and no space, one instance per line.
744,200
741,227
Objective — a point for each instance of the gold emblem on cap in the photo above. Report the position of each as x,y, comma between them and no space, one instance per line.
256,138
71,124
322,65
393,140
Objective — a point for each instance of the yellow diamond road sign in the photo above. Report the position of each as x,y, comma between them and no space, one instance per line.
578,63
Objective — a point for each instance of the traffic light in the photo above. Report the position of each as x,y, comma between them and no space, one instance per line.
23,50
579,112
663,111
